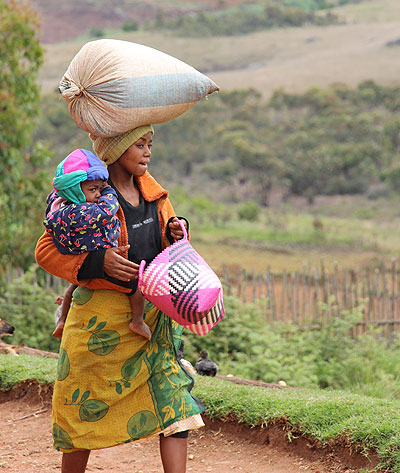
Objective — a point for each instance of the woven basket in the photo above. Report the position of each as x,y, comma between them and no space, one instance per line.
180,283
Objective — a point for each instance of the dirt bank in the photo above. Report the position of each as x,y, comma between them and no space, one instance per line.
223,447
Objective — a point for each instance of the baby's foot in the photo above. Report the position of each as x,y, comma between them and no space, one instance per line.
140,327
58,330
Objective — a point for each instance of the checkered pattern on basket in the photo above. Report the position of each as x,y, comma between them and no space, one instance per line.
181,284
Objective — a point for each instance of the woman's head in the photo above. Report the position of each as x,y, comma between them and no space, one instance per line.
79,166
135,160
111,149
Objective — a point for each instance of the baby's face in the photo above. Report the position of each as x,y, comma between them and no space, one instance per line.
92,190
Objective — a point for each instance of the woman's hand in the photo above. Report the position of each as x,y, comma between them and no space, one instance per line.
117,266
176,230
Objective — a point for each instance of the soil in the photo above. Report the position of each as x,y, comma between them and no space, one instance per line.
221,446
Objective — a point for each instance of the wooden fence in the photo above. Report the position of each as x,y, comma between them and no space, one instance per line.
46,280
313,294
316,294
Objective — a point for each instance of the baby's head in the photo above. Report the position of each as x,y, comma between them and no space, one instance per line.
80,177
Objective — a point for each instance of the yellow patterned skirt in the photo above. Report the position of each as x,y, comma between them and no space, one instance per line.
114,386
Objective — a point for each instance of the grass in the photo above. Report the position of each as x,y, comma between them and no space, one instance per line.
368,423
14,369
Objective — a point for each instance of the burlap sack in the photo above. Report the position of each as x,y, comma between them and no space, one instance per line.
112,86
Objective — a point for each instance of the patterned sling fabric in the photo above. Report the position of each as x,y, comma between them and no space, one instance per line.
114,386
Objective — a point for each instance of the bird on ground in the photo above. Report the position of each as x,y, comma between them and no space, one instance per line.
205,366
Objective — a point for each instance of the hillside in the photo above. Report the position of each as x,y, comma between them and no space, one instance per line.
364,47
65,21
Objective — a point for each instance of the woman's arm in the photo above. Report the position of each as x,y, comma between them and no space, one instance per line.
67,266
51,260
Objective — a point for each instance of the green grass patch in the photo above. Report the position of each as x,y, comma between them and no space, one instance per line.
14,369
369,423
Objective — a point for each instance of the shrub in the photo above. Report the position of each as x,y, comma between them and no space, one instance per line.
130,25
96,33
249,211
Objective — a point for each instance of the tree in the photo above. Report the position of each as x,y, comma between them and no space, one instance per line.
22,175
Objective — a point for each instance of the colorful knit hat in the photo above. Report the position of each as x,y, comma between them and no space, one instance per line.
110,149
81,165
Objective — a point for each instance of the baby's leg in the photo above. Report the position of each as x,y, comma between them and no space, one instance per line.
64,311
137,324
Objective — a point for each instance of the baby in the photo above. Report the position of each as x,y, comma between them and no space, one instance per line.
81,216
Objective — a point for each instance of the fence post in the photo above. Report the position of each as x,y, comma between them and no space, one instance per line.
268,302
291,297
297,297
316,294
274,309
309,304
392,297
398,292
244,298
350,291
384,298
283,299
335,280
254,286
302,314
239,288
227,279
326,295
370,294
377,293
344,289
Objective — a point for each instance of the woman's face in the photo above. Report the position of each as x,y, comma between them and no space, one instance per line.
136,158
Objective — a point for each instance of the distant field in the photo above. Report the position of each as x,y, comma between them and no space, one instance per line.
371,11
292,58
354,232
236,258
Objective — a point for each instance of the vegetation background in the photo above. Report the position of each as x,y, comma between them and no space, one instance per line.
294,161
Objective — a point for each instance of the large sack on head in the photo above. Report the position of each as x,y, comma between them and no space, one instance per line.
113,86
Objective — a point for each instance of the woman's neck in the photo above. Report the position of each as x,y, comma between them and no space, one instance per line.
125,184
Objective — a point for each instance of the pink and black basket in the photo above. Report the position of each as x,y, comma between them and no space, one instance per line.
182,285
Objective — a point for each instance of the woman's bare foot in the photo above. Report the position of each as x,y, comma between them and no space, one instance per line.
137,325
58,331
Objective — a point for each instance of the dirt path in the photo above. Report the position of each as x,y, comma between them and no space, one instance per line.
221,447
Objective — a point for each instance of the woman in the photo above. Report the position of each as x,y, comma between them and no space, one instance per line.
112,385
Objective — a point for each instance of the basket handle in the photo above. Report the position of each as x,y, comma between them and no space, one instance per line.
140,274
185,235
